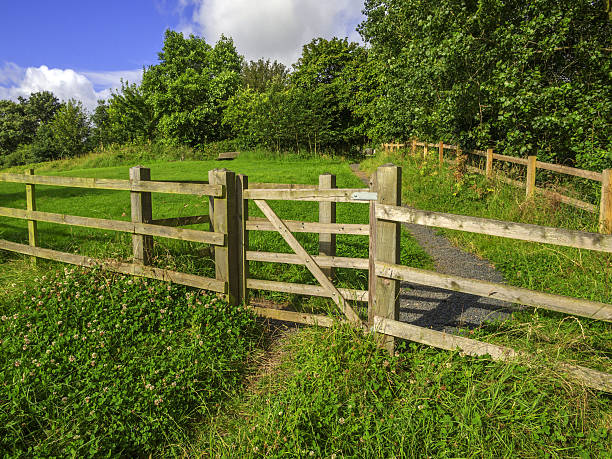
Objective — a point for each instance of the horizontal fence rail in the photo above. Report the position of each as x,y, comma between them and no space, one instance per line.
139,270
323,261
592,378
262,224
115,184
117,225
511,230
332,195
567,305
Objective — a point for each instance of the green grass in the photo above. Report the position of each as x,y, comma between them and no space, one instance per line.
192,257
333,393
560,270
315,393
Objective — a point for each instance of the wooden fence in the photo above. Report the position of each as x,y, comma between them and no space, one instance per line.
230,224
532,165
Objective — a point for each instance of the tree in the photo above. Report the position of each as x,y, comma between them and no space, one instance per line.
130,115
326,81
14,129
100,125
189,87
40,107
257,75
70,130
531,77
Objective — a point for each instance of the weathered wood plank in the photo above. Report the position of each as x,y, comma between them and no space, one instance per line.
150,272
592,175
309,263
531,177
182,221
305,289
142,212
511,230
31,205
567,305
337,195
114,184
605,206
388,246
327,215
262,224
296,317
489,166
242,216
323,261
510,159
281,186
591,378
117,225
372,255
227,257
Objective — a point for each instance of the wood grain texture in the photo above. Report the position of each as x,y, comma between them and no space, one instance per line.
567,305
296,317
262,224
587,376
142,212
114,184
530,186
605,206
327,215
386,298
305,289
117,225
31,206
150,272
511,230
337,195
323,261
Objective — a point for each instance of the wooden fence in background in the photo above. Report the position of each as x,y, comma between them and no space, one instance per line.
229,195
532,165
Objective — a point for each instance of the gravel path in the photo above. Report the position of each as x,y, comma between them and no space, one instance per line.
442,309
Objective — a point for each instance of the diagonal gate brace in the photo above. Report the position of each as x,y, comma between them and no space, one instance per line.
309,262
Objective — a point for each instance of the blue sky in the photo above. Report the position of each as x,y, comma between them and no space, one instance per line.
82,49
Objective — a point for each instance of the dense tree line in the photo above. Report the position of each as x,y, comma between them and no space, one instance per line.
523,76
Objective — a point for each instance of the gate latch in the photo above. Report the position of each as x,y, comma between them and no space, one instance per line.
364,196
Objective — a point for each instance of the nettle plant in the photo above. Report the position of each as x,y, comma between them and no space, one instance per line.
106,364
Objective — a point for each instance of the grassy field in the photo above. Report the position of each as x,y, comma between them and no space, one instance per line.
310,393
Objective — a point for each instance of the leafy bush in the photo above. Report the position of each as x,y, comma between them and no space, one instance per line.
93,363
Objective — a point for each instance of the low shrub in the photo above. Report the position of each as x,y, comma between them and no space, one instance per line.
93,363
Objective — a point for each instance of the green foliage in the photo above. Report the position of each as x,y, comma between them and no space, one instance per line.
336,394
532,77
189,86
95,364
316,111
13,126
130,116
70,130
257,75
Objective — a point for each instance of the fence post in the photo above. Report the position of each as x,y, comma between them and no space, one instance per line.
227,257
531,176
31,205
605,207
425,150
413,148
242,215
386,301
327,214
489,170
441,154
142,246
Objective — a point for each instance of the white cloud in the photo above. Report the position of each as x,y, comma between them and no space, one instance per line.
66,84
275,29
